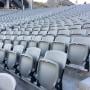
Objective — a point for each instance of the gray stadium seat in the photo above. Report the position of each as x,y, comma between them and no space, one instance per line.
34,52
15,42
24,43
75,27
78,32
26,65
78,55
7,47
79,39
4,51
63,39
7,80
27,38
52,32
48,74
12,57
2,37
64,32
37,38
19,38
60,58
57,56
36,29
48,38
58,46
25,33
86,26
42,32
7,41
32,44
44,46
35,32
44,28
17,32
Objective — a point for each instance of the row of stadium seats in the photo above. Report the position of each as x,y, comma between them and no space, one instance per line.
26,40
61,43
26,16
45,32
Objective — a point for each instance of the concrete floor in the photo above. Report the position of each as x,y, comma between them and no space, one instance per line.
72,77
70,80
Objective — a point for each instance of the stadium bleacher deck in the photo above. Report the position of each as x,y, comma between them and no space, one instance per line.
58,38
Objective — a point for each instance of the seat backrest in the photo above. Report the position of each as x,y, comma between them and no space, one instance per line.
32,44
8,80
24,43
17,32
27,38
44,46
86,26
26,65
62,27
77,53
29,28
25,32
57,56
36,29
7,47
48,38
19,38
34,52
53,28
79,39
12,59
75,27
2,37
43,32
52,32
13,37
80,32
58,46
64,32
8,37
48,74
35,32
4,32
63,39
15,42
18,48
44,28
7,41
37,38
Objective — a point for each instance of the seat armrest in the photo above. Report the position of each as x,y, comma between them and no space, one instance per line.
11,52
25,55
